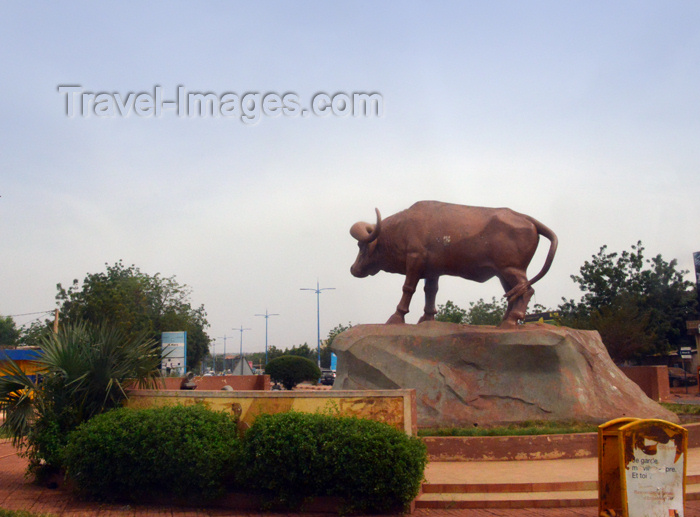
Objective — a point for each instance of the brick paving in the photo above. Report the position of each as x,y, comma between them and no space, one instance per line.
18,493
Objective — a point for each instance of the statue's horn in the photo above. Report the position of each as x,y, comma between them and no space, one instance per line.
365,232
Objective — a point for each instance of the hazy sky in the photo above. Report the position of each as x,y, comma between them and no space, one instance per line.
585,115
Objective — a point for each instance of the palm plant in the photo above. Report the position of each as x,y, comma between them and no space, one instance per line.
83,370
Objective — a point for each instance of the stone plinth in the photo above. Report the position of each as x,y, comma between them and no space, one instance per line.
482,375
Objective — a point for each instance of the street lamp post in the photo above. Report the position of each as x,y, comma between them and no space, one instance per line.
225,337
318,315
241,353
266,316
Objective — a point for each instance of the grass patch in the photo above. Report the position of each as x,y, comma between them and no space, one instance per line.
527,428
682,409
21,513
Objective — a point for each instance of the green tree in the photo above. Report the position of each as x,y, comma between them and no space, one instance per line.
9,334
290,370
302,351
451,313
32,334
84,369
486,313
273,353
479,313
136,302
328,343
638,305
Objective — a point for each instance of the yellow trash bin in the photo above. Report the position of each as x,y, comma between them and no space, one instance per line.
641,468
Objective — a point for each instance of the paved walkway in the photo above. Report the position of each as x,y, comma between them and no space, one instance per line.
17,493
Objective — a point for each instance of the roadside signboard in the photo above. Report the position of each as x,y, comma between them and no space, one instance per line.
174,351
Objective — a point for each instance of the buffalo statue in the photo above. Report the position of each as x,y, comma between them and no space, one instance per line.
431,239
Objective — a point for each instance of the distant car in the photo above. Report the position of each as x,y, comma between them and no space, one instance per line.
677,377
327,377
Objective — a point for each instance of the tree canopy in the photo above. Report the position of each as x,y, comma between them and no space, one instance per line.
290,370
638,305
9,333
450,312
479,313
136,302
302,350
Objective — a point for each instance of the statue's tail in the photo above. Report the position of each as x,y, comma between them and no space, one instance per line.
543,230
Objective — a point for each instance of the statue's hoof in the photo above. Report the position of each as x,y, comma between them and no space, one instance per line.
395,319
426,318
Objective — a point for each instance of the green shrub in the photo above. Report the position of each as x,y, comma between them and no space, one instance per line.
186,453
290,370
83,370
370,466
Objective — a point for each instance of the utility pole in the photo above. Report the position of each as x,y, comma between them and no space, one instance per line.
241,354
318,314
266,316
55,322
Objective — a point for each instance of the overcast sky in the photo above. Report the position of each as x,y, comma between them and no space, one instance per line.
585,115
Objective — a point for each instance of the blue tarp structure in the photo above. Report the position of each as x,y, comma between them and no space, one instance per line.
19,354
23,357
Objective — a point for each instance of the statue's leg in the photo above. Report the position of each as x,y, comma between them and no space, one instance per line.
431,289
521,303
506,317
514,282
409,287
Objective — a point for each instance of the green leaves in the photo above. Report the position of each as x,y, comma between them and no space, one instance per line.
479,313
9,334
19,401
451,313
83,370
371,466
187,453
92,362
137,303
638,305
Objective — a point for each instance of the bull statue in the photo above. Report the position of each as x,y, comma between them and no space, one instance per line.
431,239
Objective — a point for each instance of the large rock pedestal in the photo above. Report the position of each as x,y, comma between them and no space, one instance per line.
482,375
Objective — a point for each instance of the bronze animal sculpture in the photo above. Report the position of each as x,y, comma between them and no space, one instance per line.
431,239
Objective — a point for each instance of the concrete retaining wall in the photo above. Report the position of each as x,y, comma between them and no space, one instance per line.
217,382
394,407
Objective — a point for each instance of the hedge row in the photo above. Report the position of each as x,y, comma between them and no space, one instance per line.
187,453
370,466
194,455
